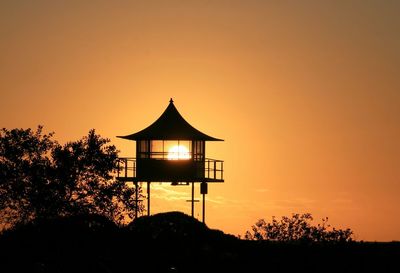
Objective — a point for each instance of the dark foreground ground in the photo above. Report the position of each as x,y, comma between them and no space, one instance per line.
174,242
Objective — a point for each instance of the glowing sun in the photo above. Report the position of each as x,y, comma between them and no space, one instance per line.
178,152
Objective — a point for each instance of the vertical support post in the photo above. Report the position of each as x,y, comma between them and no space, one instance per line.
204,207
215,169
126,167
222,170
148,198
192,199
136,200
204,191
208,168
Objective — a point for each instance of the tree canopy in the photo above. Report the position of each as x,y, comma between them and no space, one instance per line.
40,178
297,228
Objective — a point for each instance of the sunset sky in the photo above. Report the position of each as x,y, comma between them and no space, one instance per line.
306,95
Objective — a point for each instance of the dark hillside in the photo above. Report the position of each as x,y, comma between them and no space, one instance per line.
174,242
175,226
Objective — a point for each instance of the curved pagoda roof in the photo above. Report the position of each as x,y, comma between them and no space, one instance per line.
170,126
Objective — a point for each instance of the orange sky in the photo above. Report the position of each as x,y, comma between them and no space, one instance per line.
306,95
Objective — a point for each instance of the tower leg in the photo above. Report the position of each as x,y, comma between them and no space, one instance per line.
204,208
136,200
148,198
192,199
204,191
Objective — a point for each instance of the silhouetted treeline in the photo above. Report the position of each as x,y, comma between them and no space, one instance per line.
40,178
174,242
298,228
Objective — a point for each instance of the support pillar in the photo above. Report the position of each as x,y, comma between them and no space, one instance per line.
136,200
204,208
148,198
192,199
204,191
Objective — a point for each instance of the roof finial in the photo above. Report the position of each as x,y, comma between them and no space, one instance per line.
171,100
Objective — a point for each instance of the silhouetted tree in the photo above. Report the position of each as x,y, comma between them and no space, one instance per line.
297,228
39,178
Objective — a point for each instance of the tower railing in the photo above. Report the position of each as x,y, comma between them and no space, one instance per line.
213,169
126,167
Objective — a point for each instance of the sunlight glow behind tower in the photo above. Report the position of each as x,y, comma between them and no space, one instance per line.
178,152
